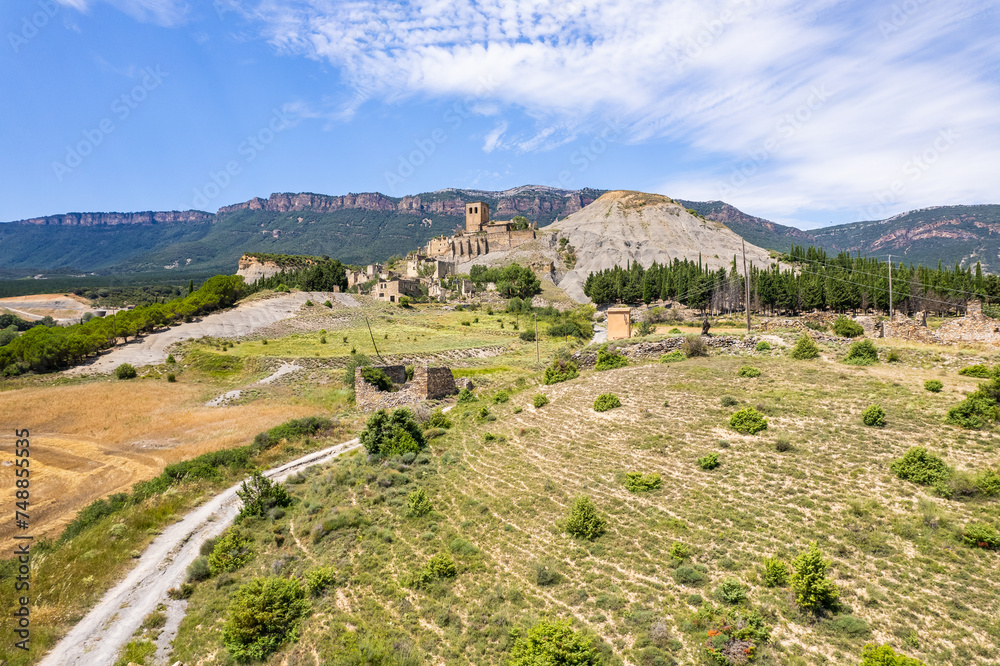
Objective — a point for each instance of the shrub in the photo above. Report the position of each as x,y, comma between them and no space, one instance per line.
730,591
404,301
919,466
439,567
377,378
437,419
291,430
584,521
646,328
748,421
198,570
674,331
775,572
728,401
638,482
749,371
327,303
711,461
694,345
813,590
561,371
171,359
883,655
847,328
606,401
679,551
171,377
933,385
528,336
501,397
260,495
978,535
125,371
673,357
988,483
232,551
540,400
609,360
976,411
980,371
805,348
355,361
850,625
893,356
551,643
862,352
874,416
546,574
763,346
392,434
689,576
320,578
466,396
417,504
782,445
263,614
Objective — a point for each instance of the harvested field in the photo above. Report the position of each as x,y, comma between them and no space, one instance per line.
61,307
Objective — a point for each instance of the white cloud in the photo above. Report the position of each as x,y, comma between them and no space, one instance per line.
160,12
492,139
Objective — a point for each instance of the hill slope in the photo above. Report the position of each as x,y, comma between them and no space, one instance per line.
627,227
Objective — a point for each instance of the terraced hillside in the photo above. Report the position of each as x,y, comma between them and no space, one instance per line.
502,479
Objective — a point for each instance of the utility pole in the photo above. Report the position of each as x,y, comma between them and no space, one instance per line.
890,287
536,339
746,279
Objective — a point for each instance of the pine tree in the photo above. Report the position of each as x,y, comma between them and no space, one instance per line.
813,590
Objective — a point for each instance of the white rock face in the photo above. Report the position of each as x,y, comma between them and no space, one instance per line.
634,227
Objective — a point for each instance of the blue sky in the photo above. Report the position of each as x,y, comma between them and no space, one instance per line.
806,113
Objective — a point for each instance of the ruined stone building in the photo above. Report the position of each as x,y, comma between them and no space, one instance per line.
480,236
427,384
393,290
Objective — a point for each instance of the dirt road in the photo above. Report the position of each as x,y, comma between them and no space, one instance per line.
241,320
98,637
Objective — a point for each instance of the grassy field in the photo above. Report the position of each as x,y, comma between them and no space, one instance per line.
501,490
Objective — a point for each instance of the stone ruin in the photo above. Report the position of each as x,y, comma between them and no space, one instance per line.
973,328
427,384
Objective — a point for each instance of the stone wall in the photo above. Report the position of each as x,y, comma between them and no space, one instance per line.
973,328
427,384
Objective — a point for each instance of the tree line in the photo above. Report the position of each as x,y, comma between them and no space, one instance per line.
806,279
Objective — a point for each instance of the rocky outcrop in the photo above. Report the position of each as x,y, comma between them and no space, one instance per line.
117,219
252,269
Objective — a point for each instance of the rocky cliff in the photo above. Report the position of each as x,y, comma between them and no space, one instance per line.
252,269
118,219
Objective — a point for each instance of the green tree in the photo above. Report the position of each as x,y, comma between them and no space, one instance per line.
262,615
260,495
553,644
388,434
584,521
813,590
231,551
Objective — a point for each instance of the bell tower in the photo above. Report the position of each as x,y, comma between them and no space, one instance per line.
477,215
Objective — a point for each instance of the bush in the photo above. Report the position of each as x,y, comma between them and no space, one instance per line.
851,626
388,434
638,482
920,467
782,445
711,461
674,331
125,371
320,578
263,614
873,655
977,411
546,574
377,378
730,591
893,356
609,360
584,521
437,419
749,371
291,430
606,401
439,567
673,357
198,570
874,416
689,576
353,362
231,551
862,352
646,328
679,551
728,401
763,346
560,371
171,359
260,495
775,572
540,400
171,377
805,348
988,483
417,504
528,336
501,397
694,345
465,396
847,328
980,371
327,303
813,590
933,385
552,643
978,535
748,421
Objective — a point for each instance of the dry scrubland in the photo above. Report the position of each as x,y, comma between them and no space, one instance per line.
499,503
